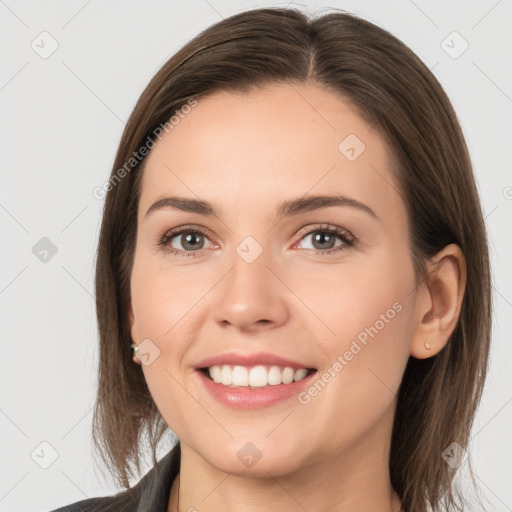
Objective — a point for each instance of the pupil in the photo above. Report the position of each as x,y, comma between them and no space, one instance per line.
189,238
321,238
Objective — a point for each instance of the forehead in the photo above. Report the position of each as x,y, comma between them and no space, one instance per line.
240,150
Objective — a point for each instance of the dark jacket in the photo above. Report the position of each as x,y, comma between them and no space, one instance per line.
151,494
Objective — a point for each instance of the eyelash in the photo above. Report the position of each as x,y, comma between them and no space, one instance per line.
345,236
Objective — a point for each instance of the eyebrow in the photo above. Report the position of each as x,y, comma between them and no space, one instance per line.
287,208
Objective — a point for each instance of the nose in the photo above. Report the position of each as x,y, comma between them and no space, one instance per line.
251,296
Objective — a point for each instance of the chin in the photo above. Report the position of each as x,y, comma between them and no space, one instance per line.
253,458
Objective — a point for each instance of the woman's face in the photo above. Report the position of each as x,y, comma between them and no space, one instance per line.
248,280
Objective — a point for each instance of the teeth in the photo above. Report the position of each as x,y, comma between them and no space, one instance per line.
288,375
240,376
226,376
255,377
274,376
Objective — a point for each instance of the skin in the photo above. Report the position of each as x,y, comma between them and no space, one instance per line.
247,154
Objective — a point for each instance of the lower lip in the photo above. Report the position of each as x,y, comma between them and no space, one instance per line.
253,398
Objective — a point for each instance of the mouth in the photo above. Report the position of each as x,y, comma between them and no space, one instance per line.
255,377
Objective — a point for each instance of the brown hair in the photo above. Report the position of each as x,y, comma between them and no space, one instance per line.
391,89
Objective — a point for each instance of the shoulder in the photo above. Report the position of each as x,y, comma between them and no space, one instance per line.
151,494
104,504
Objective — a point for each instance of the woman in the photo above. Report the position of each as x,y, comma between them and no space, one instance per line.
296,376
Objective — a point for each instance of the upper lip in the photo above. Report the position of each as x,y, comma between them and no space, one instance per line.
242,359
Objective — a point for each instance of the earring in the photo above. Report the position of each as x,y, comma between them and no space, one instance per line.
427,346
135,348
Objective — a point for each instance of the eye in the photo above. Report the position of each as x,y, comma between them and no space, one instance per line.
324,238
191,240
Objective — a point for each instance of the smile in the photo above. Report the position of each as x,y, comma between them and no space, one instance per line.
256,376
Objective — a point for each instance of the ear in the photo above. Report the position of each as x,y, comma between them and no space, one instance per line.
439,301
131,317
133,330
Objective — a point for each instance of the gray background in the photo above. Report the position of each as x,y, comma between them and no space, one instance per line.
62,118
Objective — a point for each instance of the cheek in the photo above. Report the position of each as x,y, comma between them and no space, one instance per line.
169,396
164,301
366,324
366,360
350,297
164,296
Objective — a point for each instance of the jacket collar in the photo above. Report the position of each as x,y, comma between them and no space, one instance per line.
154,489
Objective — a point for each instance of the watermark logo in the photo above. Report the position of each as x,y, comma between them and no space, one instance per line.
355,348
44,250
454,45
351,147
249,454
249,249
454,455
147,352
137,156
44,45
44,455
